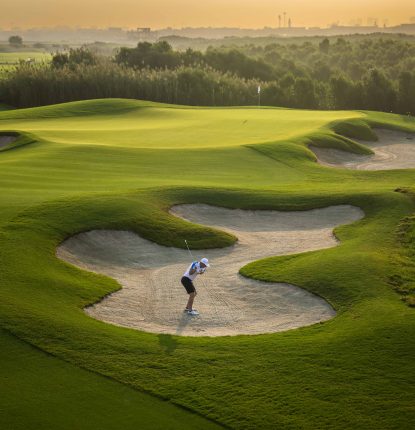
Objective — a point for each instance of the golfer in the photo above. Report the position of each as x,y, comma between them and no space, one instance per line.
196,268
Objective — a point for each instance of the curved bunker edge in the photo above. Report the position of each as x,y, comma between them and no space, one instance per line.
233,308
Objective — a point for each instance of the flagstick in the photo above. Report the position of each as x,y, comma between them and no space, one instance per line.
259,96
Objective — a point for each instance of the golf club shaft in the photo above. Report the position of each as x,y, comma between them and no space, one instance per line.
190,252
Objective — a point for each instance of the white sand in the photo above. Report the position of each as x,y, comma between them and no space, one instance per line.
6,140
152,298
393,150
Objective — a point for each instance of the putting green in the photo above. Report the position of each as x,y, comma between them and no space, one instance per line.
121,164
138,125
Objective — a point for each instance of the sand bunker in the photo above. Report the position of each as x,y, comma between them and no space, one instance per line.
152,298
6,140
393,150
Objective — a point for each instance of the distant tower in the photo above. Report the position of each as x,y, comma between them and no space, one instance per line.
289,22
279,21
285,13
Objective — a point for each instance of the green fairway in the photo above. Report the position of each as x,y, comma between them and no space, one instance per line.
13,58
121,164
9,60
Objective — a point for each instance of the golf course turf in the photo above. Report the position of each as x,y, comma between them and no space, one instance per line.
121,164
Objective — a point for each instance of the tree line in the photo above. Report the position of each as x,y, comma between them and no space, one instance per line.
373,73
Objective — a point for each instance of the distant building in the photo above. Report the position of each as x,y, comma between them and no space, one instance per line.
405,28
140,33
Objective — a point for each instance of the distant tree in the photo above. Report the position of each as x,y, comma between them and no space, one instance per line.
59,60
153,55
15,40
324,46
273,95
287,80
379,91
192,58
355,69
237,62
406,93
272,56
321,71
162,46
304,93
343,92
358,72
82,56
74,57
340,41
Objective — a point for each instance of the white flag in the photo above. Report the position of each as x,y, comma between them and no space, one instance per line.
259,89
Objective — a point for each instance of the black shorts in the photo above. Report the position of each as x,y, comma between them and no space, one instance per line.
188,284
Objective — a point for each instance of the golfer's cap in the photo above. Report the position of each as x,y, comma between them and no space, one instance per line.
205,261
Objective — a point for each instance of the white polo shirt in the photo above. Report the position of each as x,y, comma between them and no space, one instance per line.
194,265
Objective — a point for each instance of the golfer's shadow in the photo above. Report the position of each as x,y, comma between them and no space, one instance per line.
168,342
183,323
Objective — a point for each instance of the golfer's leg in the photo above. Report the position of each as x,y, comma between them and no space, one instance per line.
190,301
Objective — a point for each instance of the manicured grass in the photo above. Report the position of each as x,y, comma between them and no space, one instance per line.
156,126
8,58
355,371
39,391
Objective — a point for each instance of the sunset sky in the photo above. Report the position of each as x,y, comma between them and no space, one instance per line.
195,13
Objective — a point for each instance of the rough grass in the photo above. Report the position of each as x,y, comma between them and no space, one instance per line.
354,371
404,282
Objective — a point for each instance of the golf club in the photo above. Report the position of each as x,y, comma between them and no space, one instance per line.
190,252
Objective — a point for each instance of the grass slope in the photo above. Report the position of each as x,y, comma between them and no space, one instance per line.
42,392
352,372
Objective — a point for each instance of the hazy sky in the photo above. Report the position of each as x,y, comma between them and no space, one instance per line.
193,13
